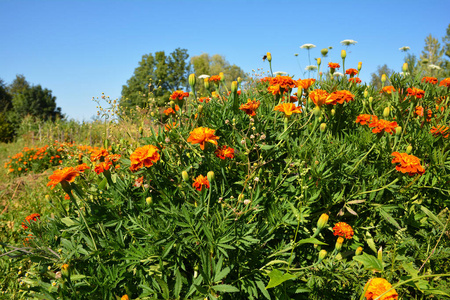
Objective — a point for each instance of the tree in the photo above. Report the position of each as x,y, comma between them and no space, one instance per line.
6,128
158,74
446,47
205,64
19,85
431,57
5,98
375,82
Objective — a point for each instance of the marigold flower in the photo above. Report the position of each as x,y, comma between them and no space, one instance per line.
125,297
170,110
284,82
333,65
200,182
67,174
144,156
356,80
288,109
250,107
445,82
29,219
440,130
351,72
341,97
343,229
414,92
224,152
388,89
377,287
204,99
305,83
383,125
102,167
179,95
201,135
168,127
419,111
81,168
407,163
215,78
274,89
432,80
99,154
320,97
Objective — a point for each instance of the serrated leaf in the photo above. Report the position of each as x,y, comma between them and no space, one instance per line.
219,276
277,278
263,290
225,288
370,262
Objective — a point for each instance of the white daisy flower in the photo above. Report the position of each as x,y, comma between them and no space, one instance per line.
404,48
203,76
338,74
434,67
311,68
279,73
307,46
348,42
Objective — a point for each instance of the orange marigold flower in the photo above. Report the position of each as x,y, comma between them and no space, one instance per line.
204,99
355,80
377,287
432,80
144,156
407,163
343,229
179,95
168,127
224,152
201,135
250,107
288,109
99,154
341,97
284,82
102,167
366,119
440,130
320,97
274,89
29,219
419,111
200,182
214,78
414,92
81,168
445,82
170,110
265,79
383,125
67,174
305,83
333,65
293,98
351,72
388,89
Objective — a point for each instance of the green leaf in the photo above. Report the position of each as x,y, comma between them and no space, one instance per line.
311,241
389,218
263,290
431,215
267,147
277,278
77,277
370,262
69,222
225,288
219,276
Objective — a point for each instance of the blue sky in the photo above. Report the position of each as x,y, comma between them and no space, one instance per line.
79,49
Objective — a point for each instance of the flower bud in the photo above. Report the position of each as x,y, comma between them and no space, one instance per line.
359,66
386,112
172,103
370,100
322,222
339,243
141,130
234,87
222,76
210,176
358,251
152,114
65,270
322,254
405,67
239,79
269,56
185,176
383,78
380,254
206,83
409,149
323,127
366,93
149,200
200,108
324,51
240,197
333,112
319,61
317,112
192,80
343,54
398,130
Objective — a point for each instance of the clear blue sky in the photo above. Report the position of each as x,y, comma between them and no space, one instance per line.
79,49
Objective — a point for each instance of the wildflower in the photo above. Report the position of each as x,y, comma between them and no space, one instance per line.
99,154
168,127
269,56
67,174
204,99
139,181
125,297
378,286
179,95
440,130
355,80
305,83
414,92
341,97
434,67
203,76
358,251
319,97
407,163
338,74
383,125
224,152
343,229
322,222
445,82
144,156
419,111
102,167
432,80
201,135
333,65
171,111
82,167
351,72
307,46
199,182
250,107
288,109
348,42
339,242
404,48
274,89
215,78
311,68
388,89
29,219
322,254
284,82
279,73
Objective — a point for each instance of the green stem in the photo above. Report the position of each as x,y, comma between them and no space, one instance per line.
381,188
357,164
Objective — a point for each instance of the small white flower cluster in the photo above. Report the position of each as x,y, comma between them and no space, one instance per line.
348,42
307,46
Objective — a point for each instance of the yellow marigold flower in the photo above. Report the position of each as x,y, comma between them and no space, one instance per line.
377,286
124,297
343,229
288,109
201,135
